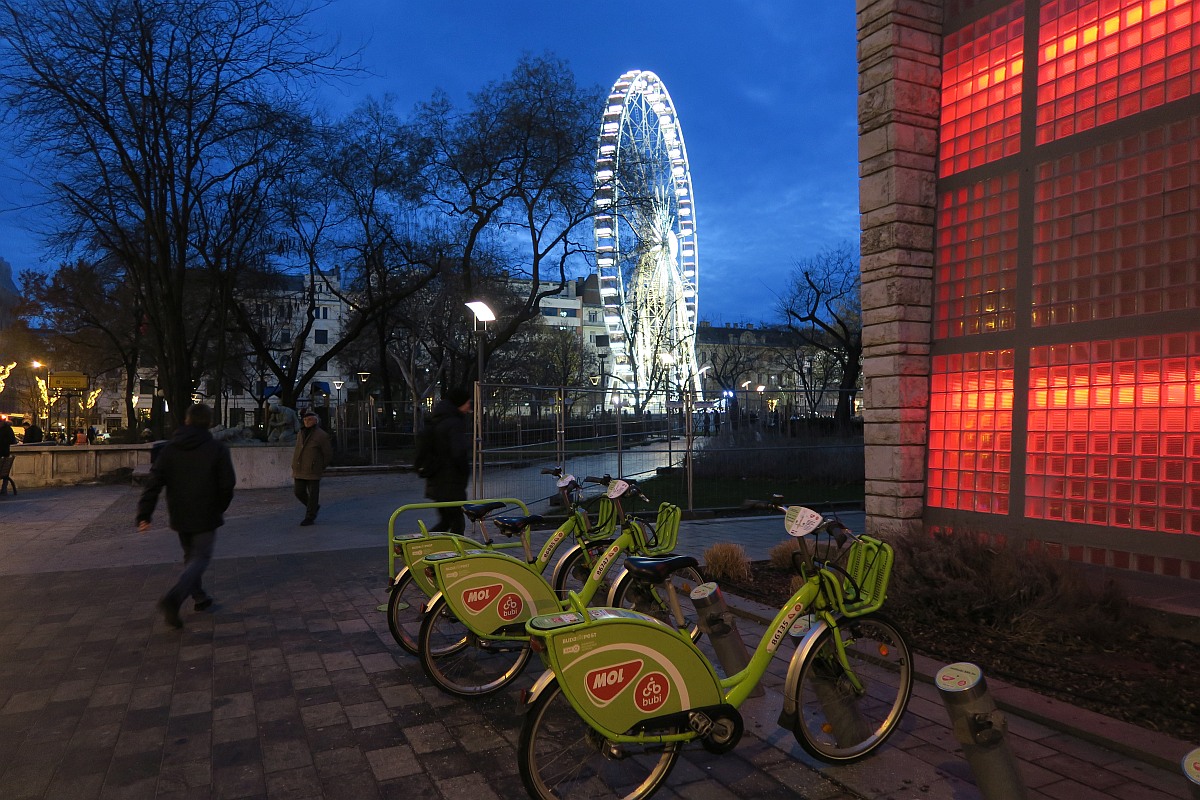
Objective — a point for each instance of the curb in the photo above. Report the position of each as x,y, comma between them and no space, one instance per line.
1145,745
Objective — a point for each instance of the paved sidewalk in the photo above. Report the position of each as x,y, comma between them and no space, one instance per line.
292,687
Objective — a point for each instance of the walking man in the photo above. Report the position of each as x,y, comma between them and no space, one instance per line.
452,464
310,458
197,472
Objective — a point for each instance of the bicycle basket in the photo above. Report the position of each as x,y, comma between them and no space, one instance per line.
864,580
660,539
606,519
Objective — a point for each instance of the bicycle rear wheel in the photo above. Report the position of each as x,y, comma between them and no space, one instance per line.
837,723
406,607
652,600
560,756
463,663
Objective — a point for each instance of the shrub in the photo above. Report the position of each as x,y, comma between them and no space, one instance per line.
781,554
727,561
963,577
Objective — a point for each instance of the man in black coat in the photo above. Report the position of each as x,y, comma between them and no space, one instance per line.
448,482
197,472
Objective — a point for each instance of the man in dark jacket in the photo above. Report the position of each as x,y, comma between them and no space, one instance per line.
449,480
310,458
197,472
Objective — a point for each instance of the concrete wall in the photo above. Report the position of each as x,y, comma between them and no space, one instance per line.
257,466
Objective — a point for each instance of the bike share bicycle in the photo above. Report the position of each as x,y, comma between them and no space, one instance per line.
410,590
473,639
623,693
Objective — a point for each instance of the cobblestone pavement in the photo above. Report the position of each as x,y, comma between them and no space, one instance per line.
292,687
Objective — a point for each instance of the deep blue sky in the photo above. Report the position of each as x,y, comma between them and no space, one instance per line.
765,90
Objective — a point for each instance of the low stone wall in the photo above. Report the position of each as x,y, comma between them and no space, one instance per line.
257,466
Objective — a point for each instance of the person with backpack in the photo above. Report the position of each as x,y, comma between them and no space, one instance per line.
197,472
444,456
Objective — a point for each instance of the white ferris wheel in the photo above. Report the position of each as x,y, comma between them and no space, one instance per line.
646,236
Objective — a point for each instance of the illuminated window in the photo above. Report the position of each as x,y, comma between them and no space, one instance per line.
970,431
1106,60
975,274
1114,433
1116,228
981,91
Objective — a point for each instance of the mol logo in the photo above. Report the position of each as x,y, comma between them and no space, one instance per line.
480,597
605,683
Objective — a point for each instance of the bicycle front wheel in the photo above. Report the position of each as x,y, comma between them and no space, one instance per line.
837,721
560,756
406,607
462,663
652,599
572,573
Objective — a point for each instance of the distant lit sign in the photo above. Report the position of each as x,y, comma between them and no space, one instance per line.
68,380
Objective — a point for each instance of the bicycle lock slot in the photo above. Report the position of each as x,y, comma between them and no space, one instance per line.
717,621
982,731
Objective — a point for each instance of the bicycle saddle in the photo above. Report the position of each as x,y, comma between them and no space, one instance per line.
511,526
477,511
657,568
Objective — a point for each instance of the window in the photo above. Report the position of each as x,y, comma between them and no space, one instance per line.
321,336
145,386
592,317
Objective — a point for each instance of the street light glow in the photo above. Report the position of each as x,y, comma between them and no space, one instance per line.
481,310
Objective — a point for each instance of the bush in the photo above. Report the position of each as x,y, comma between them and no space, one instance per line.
781,554
964,577
727,561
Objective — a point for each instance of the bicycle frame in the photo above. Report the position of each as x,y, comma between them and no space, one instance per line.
606,660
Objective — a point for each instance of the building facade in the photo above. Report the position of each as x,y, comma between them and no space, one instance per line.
1031,288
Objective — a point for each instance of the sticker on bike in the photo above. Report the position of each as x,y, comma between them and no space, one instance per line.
510,607
651,692
480,597
605,683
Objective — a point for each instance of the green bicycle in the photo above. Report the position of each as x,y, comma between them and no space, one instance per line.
410,590
623,693
473,639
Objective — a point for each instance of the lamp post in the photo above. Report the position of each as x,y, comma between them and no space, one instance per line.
362,412
483,315
668,361
43,394
337,386
690,428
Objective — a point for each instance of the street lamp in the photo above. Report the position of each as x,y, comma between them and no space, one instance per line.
338,419
483,315
362,413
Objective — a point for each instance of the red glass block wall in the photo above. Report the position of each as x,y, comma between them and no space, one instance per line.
970,431
976,263
1104,60
1067,268
1117,226
981,91
1114,433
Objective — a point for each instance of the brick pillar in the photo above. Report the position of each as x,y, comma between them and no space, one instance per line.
899,68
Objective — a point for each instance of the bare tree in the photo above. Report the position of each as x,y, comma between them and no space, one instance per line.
142,111
823,306
512,177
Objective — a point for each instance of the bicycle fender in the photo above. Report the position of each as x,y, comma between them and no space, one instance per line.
399,577
539,686
558,564
612,589
791,685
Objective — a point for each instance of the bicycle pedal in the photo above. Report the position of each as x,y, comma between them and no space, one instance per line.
702,724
